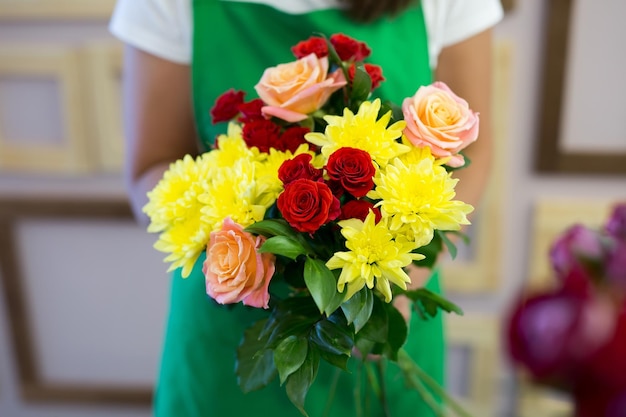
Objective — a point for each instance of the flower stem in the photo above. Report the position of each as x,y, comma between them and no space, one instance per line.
358,409
417,378
428,398
383,389
332,392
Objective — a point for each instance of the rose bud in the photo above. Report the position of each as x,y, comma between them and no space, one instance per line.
226,106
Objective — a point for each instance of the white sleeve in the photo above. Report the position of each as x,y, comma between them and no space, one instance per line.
452,21
159,27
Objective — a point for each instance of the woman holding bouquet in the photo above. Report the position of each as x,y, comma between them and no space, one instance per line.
181,55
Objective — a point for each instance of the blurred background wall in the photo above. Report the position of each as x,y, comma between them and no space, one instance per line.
84,295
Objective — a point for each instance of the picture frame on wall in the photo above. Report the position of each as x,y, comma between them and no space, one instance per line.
77,331
103,88
55,9
581,119
473,362
42,112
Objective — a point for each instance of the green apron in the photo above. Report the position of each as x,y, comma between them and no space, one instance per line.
233,43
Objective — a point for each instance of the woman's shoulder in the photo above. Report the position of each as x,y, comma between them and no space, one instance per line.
160,27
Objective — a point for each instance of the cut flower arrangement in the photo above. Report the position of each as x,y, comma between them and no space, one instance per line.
572,337
313,205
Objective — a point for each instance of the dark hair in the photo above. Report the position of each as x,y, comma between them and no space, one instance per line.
369,10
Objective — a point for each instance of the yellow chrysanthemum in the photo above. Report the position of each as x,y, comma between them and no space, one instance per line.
375,257
420,196
234,192
362,131
176,195
174,205
231,148
417,153
184,242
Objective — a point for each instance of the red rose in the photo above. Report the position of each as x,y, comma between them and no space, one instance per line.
353,168
251,110
313,45
227,106
307,205
349,48
264,134
359,209
292,138
336,188
299,168
374,71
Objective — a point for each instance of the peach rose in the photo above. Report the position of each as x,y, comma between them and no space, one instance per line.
438,118
293,90
234,270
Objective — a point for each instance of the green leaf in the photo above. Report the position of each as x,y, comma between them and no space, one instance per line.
398,332
292,274
361,84
449,244
465,238
359,308
299,382
283,245
431,302
333,57
254,365
377,327
294,316
396,111
289,355
322,285
340,361
365,346
272,227
333,338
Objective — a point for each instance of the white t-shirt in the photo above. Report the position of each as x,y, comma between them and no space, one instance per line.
163,27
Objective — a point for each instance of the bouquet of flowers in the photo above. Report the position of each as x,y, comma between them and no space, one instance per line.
573,337
313,205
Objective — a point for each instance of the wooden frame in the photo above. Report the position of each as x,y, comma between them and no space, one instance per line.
55,9
480,334
61,64
103,62
551,218
533,401
33,386
550,156
480,273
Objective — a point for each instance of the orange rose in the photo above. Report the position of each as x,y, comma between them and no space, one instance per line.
293,90
234,270
438,118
